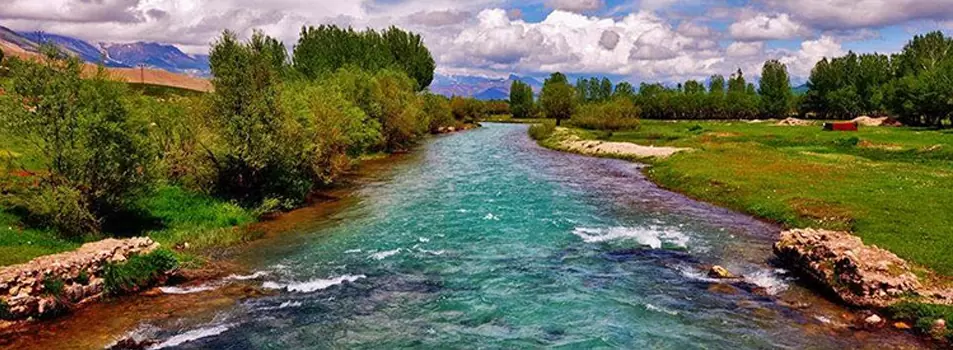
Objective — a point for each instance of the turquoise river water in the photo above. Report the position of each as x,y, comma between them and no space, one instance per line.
483,239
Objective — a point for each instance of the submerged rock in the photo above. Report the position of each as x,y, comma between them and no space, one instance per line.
720,273
863,276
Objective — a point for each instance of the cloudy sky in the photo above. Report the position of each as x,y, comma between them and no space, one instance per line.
640,40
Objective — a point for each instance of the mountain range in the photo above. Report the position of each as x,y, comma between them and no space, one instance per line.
482,88
114,55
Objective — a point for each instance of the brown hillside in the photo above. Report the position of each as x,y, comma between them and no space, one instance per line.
130,75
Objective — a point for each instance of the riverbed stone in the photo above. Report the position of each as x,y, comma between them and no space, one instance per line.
720,273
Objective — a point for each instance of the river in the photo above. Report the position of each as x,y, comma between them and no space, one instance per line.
483,239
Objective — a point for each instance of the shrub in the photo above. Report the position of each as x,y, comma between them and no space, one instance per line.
924,315
138,272
53,286
5,311
257,153
402,118
437,109
82,278
95,158
542,131
467,109
618,114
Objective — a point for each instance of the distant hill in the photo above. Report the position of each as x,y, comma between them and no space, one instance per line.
492,94
155,55
24,46
479,87
84,50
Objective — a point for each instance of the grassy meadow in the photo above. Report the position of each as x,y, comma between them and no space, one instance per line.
890,186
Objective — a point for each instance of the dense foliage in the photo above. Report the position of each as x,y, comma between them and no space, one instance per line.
323,50
558,98
914,85
521,100
265,139
95,158
775,89
612,115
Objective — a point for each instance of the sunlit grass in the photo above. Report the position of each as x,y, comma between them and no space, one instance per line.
893,187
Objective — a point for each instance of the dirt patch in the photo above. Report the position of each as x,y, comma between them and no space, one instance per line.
882,121
880,146
794,122
574,144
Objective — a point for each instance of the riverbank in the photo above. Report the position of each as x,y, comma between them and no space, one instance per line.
203,233
885,185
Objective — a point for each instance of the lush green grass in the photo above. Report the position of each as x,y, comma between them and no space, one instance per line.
891,186
924,315
138,272
173,216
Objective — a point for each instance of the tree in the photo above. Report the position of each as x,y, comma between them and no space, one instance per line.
521,99
96,158
605,89
557,98
624,90
257,157
775,89
1,57
323,50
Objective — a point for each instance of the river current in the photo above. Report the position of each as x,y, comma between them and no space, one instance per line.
483,239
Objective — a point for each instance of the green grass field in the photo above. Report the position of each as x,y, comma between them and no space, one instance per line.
893,187
173,216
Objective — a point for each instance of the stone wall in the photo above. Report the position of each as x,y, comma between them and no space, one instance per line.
53,283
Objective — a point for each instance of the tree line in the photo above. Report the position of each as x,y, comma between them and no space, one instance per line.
592,99
914,85
275,129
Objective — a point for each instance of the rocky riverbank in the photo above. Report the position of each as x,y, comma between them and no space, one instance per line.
53,284
867,277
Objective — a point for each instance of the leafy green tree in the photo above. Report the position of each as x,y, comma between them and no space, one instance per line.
467,109
775,89
323,50
437,108
624,90
96,158
557,98
409,54
521,99
605,89
258,157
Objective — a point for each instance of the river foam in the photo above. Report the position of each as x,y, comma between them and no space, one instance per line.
187,290
652,236
192,335
312,285
385,254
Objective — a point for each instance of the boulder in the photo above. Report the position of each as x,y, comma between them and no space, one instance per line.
862,276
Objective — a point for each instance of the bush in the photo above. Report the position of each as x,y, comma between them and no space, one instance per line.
96,159
5,314
618,114
138,272
53,286
467,109
437,109
258,147
542,131
923,315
